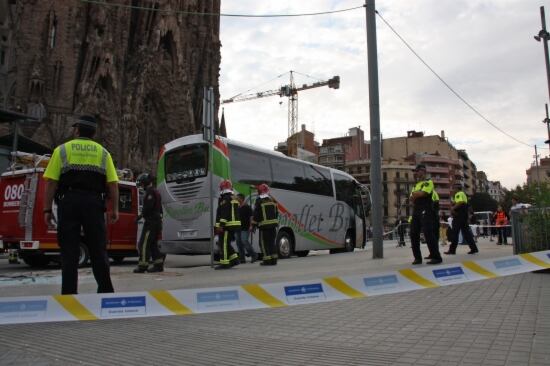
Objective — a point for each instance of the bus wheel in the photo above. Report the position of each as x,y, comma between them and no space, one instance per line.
349,243
84,255
284,244
302,253
36,261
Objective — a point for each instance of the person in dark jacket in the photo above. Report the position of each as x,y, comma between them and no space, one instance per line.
266,218
459,211
227,224
152,214
243,235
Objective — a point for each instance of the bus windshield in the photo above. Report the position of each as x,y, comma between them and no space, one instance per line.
186,163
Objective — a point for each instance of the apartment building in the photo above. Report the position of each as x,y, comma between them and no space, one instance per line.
540,174
301,145
339,151
496,191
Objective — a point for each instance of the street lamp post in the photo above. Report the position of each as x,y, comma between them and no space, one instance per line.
547,121
544,36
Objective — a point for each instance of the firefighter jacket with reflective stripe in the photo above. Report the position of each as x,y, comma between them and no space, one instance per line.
227,215
266,214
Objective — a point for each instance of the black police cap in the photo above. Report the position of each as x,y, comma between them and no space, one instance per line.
86,120
419,167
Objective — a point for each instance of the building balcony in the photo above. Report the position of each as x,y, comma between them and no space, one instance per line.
438,159
441,180
441,170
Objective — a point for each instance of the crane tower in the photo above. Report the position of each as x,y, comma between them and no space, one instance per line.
291,92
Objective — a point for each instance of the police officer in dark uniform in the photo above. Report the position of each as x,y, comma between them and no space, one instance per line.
459,210
423,217
152,214
227,223
435,202
79,174
266,218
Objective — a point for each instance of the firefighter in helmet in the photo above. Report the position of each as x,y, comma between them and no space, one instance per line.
152,214
265,217
227,222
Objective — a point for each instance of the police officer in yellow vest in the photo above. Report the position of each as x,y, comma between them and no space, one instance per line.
266,218
459,211
435,202
79,175
227,223
423,217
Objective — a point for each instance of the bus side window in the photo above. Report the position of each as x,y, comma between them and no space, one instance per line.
249,167
288,175
345,189
125,200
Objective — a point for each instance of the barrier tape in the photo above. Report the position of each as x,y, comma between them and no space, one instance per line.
35,309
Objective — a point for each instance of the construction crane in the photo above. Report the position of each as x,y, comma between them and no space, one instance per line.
291,92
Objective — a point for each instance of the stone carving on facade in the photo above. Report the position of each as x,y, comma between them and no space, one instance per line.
140,72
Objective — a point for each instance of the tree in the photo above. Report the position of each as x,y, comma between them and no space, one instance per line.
537,194
483,202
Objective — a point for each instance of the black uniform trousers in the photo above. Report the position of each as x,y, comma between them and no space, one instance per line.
423,221
228,255
461,224
267,244
82,212
148,243
436,226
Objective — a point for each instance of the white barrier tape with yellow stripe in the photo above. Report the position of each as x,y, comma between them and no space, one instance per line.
255,296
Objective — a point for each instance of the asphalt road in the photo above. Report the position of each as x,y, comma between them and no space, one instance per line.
195,271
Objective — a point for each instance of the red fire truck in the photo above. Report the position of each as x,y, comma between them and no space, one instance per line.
22,224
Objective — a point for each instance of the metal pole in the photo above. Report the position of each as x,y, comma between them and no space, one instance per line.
207,125
374,107
537,164
547,121
15,139
545,44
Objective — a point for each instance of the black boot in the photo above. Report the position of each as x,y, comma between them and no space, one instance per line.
156,268
140,269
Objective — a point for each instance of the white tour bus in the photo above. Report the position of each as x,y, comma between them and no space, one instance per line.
319,208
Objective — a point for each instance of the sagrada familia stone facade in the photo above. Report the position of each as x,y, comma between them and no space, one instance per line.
141,72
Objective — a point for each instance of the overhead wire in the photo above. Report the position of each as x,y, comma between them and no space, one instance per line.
183,12
262,84
172,11
471,107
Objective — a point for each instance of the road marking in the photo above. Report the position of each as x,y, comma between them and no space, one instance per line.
71,304
416,278
531,258
474,267
262,295
343,287
170,302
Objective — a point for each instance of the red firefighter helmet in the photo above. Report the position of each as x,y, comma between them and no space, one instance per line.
226,186
263,189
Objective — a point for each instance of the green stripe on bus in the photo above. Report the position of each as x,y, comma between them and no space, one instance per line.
221,166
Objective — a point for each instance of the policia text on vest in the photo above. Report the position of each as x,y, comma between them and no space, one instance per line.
79,174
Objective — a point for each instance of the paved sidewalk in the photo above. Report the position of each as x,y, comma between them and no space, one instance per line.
504,321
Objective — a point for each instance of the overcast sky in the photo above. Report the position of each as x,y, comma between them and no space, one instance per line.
483,48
